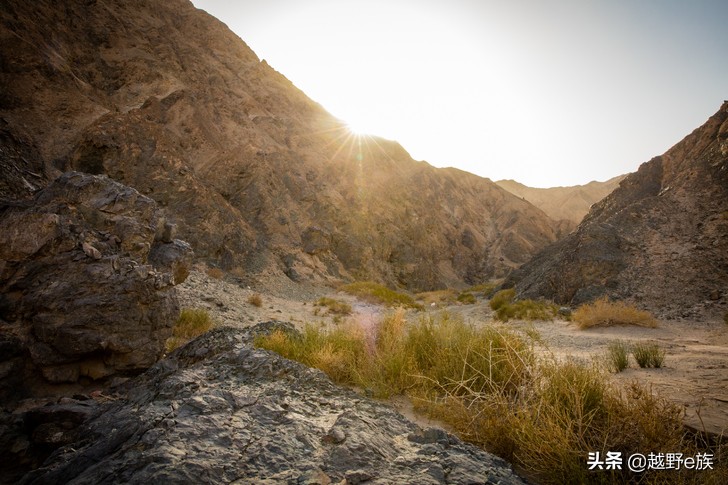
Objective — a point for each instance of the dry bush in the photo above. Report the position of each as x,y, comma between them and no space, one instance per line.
191,323
215,273
256,300
526,310
603,312
438,297
503,297
376,293
466,298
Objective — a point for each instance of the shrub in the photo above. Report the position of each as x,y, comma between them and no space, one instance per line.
466,298
191,323
526,310
648,355
617,356
380,294
337,307
603,312
502,297
256,300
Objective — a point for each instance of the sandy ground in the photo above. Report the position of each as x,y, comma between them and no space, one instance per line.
695,372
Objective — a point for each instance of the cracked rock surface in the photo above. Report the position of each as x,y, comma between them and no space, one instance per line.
220,410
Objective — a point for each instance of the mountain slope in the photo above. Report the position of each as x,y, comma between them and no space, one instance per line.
660,239
164,98
564,203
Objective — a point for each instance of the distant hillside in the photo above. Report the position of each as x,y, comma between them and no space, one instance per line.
569,203
660,239
259,178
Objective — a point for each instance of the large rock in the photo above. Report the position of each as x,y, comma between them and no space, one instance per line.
222,411
78,296
659,240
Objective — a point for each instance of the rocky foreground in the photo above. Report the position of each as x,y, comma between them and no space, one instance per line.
221,411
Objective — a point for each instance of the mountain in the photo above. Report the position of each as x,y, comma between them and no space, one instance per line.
660,239
164,98
564,203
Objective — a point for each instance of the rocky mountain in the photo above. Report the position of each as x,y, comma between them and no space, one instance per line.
660,239
568,204
164,98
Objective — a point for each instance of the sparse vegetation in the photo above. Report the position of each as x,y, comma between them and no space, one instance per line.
256,300
506,307
618,356
485,289
603,312
466,298
191,323
380,294
543,414
648,354
438,297
333,306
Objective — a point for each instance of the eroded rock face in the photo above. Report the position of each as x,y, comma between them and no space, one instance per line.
659,240
164,98
78,295
221,411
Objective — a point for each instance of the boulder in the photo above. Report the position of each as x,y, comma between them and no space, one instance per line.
79,295
222,411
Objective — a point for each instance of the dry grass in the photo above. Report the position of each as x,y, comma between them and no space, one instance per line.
485,289
256,300
466,298
190,324
618,356
380,294
438,297
488,383
333,306
648,355
603,312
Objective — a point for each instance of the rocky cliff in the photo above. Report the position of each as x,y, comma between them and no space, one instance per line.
164,98
567,204
660,239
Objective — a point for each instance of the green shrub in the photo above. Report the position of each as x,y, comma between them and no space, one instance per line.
502,297
376,293
191,323
603,312
337,307
618,356
648,355
466,298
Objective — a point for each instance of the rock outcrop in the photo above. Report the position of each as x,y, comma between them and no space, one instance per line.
568,205
164,98
79,297
659,240
222,411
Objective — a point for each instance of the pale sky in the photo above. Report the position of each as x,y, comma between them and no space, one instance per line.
544,92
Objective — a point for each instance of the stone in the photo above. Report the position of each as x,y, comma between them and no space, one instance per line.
221,411
76,295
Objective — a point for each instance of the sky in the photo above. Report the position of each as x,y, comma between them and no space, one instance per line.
548,93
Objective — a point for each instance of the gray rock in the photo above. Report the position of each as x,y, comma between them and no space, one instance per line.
221,411
78,297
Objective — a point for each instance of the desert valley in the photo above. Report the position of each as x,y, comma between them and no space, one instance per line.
355,315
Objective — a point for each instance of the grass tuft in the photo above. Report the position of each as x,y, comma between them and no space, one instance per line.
648,355
466,298
503,297
603,312
191,323
485,289
380,294
618,356
526,310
